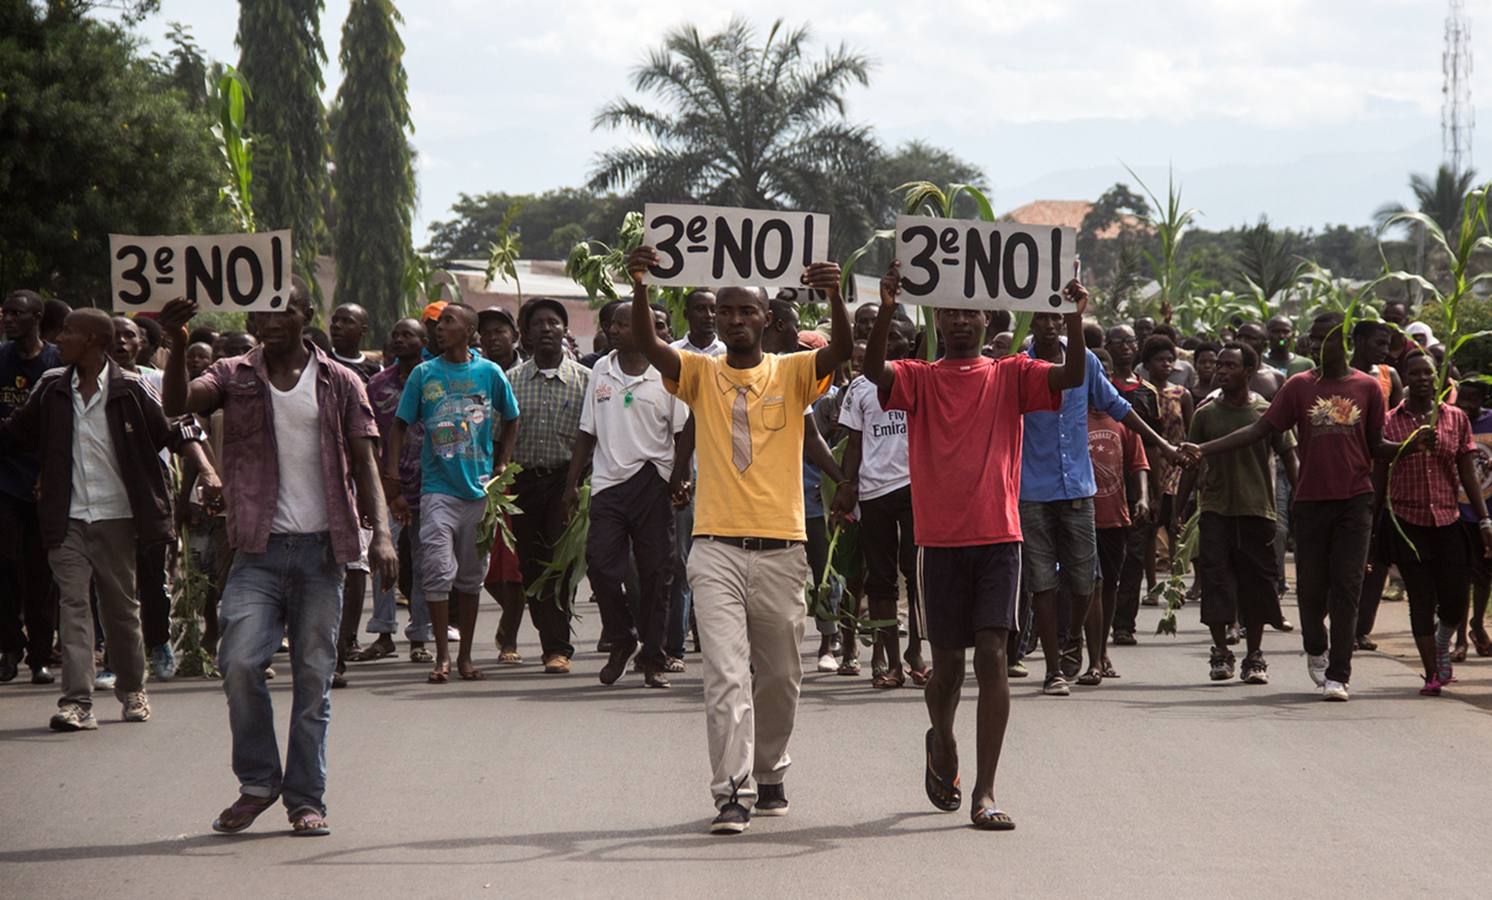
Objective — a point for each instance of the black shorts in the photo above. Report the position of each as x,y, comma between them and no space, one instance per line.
1237,571
1111,554
964,590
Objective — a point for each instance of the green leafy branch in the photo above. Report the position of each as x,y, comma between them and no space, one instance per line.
506,249
501,506
566,569
1173,588
237,148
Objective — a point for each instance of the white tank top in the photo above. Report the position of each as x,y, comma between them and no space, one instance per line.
300,506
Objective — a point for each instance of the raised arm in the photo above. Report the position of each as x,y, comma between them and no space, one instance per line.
874,366
662,357
825,276
1074,369
179,394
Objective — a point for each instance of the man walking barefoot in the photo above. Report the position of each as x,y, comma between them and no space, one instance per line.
748,566
964,433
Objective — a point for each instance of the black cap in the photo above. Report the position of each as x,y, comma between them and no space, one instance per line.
546,303
497,312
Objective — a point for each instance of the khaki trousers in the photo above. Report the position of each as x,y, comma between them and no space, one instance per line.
750,611
101,553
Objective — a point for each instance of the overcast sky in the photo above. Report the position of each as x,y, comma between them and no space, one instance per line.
1309,111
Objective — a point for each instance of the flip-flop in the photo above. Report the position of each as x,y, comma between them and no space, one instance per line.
245,805
375,650
920,677
509,658
421,655
473,675
943,793
1091,677
1108,670
307,822
437,677
990,819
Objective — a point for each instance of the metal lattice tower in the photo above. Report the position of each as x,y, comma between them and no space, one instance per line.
1457,117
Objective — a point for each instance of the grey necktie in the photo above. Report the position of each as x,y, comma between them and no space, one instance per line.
740,432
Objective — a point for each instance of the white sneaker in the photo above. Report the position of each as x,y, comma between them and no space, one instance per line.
1316,668
828,663
1335,690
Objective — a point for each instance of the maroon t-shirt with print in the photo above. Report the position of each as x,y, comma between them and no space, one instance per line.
1332,417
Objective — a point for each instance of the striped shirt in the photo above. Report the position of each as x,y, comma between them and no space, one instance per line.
549,412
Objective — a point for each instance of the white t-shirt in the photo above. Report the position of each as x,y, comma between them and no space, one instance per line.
633,418
715,349
883,440
300,507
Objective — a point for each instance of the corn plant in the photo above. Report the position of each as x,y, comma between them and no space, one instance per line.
232,93
425,283
1169,222
1470,238
504,252
820,599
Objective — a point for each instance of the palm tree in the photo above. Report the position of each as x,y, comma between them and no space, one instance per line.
1267,261
745,124
1440,199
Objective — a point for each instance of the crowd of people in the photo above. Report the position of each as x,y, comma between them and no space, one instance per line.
1022,500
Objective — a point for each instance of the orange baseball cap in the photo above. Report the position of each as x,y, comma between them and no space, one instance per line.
434,310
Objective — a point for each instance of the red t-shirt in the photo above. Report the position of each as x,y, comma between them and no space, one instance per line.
964,443
1332,418
1116,452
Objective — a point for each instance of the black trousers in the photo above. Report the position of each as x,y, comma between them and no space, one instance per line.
638,512
539,493
887,544
1131,577
1331,550
25,584
150,585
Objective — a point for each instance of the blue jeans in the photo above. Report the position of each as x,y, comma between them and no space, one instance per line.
677,632
294,587
383,620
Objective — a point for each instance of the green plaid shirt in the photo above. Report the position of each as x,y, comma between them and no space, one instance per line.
549,413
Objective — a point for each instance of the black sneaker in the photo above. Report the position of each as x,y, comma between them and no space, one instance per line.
617,663
1254,669
771,800
1125,638
1222,664
733,818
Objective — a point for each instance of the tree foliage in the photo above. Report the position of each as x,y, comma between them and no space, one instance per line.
94,139
281,55
374,177
551,223
744,122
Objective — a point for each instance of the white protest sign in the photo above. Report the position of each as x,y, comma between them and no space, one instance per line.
720,246
234,272
973,264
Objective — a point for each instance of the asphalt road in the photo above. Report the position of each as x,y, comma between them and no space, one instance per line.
527,785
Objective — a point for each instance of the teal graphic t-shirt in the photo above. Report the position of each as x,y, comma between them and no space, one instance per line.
457,403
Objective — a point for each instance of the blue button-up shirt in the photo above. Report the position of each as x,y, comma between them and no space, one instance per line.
1055,464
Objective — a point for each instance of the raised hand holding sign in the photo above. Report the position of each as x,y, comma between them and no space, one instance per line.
234,272
728,247
974,264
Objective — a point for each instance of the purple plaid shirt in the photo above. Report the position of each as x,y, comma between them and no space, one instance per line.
250,470
384,391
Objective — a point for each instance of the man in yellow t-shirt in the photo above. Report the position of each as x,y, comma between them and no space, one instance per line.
748,566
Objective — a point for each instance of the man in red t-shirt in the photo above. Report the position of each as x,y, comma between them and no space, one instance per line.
964,432
1337,412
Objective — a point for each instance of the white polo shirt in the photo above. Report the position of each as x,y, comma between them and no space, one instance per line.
633,419
98,484
883,440
715,349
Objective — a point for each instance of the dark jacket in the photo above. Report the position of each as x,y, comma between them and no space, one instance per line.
139,430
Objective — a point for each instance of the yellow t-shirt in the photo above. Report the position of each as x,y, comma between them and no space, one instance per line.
766,500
